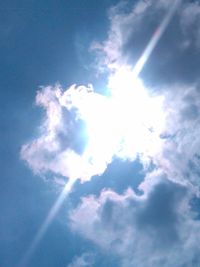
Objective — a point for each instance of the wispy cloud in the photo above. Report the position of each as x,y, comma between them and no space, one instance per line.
85,260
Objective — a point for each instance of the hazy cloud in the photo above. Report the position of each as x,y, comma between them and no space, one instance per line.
85,260
179,155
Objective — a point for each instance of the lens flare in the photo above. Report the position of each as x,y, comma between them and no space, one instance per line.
126,124
155,38
44,227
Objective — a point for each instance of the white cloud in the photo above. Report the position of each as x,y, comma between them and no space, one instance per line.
132,29
59,148
83,128
155,229
172,71
179,154
85,260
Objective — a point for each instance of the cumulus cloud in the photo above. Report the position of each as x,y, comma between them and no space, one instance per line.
60,146
159,227
83,130
172,71
80,125
155,120
154,229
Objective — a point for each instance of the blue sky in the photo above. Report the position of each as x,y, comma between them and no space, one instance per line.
75,111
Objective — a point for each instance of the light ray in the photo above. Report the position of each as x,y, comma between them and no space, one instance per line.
126,108
44,227
155,38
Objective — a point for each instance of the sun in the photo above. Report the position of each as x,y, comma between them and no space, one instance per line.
126,124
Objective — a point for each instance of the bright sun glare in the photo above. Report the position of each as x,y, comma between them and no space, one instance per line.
125,124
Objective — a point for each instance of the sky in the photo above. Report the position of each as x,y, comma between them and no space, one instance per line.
99,139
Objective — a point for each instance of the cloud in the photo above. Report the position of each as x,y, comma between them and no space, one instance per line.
179,154
155,120
171,71
154,229
83,130
85,260
174,58
63,136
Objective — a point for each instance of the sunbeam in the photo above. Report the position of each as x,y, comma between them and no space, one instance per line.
47,222
125,124
155,38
